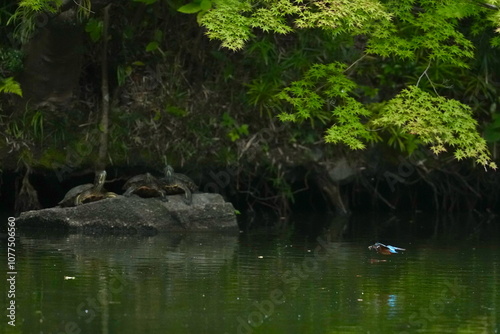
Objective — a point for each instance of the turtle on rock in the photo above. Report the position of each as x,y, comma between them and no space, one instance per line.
87,193
176,183
144,185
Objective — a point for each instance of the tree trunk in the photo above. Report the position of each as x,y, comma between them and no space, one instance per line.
104,124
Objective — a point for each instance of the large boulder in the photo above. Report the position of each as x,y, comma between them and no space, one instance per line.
130,215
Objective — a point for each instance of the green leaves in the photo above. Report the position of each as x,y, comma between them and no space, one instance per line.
341,15
232,21
228,23
9,85
432,29
324,94
195,7
152,46
349,128
28,14
438,122
94,29
235,131
492,130
41,5
201,7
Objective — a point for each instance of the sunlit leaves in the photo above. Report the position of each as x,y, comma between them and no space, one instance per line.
432,28
438,122
268,20
348,128
228,23
324,94
282,16
9,85
40,5
341,15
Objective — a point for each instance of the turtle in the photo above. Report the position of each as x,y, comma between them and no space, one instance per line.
87,193
176,183
144,185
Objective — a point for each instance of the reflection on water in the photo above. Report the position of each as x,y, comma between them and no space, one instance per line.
257,283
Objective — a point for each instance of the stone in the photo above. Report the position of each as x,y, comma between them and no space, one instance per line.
136,215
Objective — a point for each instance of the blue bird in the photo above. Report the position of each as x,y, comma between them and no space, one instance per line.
385,249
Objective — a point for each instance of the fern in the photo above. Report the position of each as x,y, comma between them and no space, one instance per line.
9,85
27,14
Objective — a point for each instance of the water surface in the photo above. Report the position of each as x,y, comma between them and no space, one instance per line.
255,282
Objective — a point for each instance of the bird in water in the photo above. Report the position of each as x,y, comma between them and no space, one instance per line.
385,249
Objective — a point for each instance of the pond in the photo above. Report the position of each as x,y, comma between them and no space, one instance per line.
286,281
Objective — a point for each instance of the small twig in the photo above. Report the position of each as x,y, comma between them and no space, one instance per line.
428,78
379,195
424,73
358,60
432,84
83,7
486,5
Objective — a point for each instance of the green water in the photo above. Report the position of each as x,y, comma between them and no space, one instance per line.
254,283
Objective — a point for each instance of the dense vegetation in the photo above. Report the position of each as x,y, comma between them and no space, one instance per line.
268,86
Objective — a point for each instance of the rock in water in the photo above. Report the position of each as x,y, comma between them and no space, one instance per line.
130,215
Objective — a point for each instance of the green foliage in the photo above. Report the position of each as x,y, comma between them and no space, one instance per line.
432,29
324,94
272,16
235,131
342,16
228,24
41,5
232,21
122,73
261,93
154,45
421,32
404,142
94,29
436,121
492,130
27,13
37,124
495,41
33,13
196,6
146,2
24,131
323,63
10,61
52,157
9,85
176,111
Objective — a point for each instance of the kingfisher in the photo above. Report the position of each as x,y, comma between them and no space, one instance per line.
385,249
